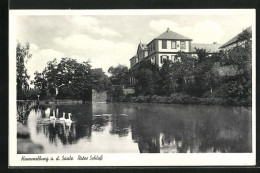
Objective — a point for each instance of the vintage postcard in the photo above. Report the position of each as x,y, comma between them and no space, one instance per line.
132,87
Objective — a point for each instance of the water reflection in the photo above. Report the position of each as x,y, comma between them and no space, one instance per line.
217,129
67,133
144,128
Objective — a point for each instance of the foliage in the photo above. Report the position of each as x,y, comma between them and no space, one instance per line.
116,92
22,56
168,78
119,75
100,81
246,37
40,84
196,76
147,75
202,54
69,79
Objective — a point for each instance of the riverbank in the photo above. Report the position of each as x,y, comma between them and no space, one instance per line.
65,101
186,99
173,99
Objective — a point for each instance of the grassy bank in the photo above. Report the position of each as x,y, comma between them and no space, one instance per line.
186,99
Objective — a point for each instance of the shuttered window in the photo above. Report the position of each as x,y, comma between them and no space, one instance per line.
183,45
164,44
173,44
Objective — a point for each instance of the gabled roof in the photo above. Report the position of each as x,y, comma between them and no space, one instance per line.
168,34
211,48
235,39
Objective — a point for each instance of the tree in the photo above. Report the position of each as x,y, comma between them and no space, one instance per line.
71,79
202,55
211,80
185,66
168,80
100,80
22,56
116,92
40,84
119,75
147,75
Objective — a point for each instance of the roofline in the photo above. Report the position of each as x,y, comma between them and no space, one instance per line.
188,39
223,46
132,57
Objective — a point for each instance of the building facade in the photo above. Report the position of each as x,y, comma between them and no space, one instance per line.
166,46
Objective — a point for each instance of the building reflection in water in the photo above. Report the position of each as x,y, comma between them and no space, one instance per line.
213,130
153,128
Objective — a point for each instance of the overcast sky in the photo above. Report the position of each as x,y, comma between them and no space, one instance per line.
111,40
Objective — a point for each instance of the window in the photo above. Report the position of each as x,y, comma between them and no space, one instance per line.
164,44
173,44
183,45
154,46
164,57
173,58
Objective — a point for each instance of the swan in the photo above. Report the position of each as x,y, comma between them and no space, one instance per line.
53,116
68,120
47,112
63,117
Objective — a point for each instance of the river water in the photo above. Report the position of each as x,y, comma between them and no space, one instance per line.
141,128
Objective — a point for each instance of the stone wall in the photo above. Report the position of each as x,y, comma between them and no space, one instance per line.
100,96
227,70
127,91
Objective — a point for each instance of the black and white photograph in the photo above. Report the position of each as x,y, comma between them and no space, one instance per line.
132,87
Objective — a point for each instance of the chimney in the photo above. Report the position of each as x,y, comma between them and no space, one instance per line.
168,29
215,43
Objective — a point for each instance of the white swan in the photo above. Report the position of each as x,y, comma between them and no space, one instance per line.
47,112
63,117
53,116
68,120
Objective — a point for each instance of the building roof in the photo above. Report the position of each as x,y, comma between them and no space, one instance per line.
211,48
133,57
235,39
168,34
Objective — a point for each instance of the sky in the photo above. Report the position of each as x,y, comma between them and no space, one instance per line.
109,40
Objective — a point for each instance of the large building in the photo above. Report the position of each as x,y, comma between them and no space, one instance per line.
166,46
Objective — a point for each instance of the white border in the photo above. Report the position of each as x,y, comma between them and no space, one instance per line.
178,159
